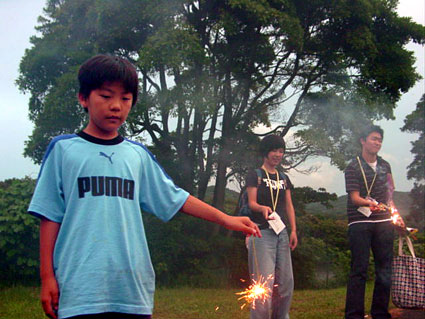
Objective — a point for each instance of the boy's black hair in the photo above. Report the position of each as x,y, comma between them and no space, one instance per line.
370,129
270,143
104,68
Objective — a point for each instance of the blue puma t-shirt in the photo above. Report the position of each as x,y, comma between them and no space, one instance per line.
96,190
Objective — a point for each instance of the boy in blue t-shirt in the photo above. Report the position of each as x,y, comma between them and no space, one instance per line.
92,186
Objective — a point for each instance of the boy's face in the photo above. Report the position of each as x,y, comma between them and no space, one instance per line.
372,144
108,108
274,157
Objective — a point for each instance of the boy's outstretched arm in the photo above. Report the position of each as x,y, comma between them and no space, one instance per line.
200,209
49,286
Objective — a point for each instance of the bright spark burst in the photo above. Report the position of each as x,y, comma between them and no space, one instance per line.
257,291
395,216
398,222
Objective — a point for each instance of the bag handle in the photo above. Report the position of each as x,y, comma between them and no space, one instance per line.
409,244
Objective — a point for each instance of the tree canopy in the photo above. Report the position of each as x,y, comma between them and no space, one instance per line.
415,123
212,71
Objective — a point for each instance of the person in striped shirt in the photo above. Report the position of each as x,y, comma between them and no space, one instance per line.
368,182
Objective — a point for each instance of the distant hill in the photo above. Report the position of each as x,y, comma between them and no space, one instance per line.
401,200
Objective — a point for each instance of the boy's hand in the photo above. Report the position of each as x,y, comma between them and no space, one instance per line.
266,211
200,209
400,222
293,240
243,224
50,297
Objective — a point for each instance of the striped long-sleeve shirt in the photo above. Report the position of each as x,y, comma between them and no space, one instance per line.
354,181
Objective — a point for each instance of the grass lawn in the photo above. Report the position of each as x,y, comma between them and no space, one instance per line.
22,303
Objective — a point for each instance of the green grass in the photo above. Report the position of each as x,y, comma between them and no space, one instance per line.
22,302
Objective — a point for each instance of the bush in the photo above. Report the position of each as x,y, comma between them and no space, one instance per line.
19,244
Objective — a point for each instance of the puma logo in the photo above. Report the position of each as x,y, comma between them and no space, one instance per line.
108,157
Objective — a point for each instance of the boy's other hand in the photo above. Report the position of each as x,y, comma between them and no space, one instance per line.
50,297
293,240
200,209
266,211
243,224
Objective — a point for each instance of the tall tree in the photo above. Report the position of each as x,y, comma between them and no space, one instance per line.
415,123
211,71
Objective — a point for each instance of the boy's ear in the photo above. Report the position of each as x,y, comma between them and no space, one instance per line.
83,100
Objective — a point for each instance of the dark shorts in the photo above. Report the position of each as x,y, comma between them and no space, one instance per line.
112,315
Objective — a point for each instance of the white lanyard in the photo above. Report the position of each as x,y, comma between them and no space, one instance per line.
368,189
274,201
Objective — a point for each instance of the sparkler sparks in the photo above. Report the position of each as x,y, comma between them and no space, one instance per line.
395,216
257,291
396,219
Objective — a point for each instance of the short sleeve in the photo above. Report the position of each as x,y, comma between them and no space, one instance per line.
352,182
252,179
158,194
388,168
48,198
289,184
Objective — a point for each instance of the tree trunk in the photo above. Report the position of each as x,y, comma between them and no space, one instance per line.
223,158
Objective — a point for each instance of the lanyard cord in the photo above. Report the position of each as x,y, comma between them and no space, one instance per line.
369,189
274,202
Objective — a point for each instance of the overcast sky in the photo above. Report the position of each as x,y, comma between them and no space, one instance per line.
17,21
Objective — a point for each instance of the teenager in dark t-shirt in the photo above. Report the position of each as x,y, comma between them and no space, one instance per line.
271,254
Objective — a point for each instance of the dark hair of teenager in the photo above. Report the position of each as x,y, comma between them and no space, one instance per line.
270,143
370,129
105,68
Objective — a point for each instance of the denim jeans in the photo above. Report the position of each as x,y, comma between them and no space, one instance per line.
271,255
362,237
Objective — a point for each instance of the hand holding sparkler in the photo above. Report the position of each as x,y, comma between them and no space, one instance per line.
379,207
396,219
200,209
395,216
243,224
402,229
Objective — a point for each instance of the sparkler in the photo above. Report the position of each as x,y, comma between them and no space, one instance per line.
258,291
396,219
395,216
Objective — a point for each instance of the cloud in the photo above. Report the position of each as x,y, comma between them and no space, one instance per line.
326,176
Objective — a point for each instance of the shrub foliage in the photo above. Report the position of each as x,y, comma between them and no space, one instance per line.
18,231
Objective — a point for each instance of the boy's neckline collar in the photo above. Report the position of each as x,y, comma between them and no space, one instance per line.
96,140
